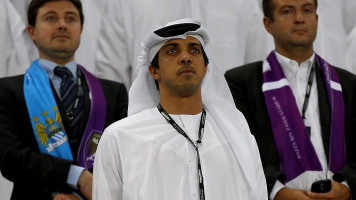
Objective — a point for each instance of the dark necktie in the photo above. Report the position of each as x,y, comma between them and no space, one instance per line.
72,100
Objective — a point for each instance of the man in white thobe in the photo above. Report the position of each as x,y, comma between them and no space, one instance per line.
194,144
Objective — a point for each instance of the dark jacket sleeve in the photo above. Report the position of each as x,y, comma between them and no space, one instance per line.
20,160
245,83
348,85
116,101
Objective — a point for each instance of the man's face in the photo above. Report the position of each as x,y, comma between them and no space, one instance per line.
57,30
181,66
295,23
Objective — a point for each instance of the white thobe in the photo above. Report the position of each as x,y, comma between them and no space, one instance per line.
17,49
350,24
144,157
6,187
235,28
93,14
336,33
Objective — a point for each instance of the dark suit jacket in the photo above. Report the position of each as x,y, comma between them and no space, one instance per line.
37,175
246,87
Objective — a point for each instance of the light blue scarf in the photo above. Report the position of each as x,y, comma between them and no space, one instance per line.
44,115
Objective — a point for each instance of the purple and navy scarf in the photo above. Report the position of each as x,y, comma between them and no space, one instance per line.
294,146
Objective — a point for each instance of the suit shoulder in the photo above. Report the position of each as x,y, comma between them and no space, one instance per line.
112,86
12,78
247,70
345,75
111,83
12,81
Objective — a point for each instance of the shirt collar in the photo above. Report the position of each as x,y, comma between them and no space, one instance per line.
49,66
291,66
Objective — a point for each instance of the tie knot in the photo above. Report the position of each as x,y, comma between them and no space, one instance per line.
62,72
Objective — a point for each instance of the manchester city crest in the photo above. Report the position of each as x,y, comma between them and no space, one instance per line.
49,128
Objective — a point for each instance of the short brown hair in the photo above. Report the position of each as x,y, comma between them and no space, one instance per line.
35,5
268,8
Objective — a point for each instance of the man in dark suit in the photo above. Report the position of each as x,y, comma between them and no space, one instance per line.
52,117
301,109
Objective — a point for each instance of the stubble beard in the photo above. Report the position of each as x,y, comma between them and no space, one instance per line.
306,42
303,42
62,51
184,90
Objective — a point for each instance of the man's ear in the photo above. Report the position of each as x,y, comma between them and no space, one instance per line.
267,22
154,72
31,32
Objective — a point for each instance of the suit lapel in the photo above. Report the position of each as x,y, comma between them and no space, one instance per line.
324,110
86,112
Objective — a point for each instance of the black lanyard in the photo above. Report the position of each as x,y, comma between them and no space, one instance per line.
196,145
308,91
80,93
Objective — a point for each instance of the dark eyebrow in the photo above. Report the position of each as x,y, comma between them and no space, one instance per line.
291,6
308,4
72,13
286,6
194,44
170,45
191,44
49,13
53,12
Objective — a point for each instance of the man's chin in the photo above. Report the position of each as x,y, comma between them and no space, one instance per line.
62,50
187,89
302,43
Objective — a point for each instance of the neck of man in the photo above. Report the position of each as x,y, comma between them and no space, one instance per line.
59,60
299,54
174,104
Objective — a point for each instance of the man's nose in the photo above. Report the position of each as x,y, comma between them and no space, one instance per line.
62,24
185,58
299,17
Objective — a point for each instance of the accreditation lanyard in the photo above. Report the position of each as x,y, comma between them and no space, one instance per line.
80,93
307,94
195,145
